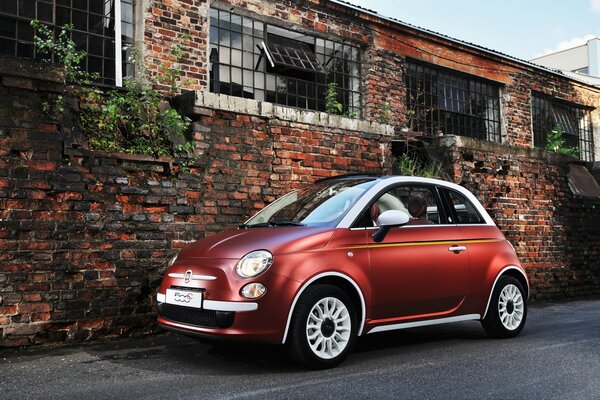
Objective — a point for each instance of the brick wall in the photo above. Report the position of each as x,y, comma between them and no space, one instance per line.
86,237
526,191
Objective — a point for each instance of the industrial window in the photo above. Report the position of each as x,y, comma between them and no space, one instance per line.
256,60
575,120
442,100
94,30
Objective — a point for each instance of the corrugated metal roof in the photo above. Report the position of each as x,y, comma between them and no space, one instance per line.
462,42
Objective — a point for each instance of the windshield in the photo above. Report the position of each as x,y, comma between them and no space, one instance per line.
321,204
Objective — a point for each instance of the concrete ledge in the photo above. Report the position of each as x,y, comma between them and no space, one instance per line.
31,69
501,148
274,111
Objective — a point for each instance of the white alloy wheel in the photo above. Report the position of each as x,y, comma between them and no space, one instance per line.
511,307
508,309
328,328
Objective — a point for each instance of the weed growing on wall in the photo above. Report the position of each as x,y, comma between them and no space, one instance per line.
133,120
555,141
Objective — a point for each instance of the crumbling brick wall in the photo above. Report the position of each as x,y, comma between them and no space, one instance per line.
85,237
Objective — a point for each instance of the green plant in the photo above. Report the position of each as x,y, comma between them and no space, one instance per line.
332,105
134,120
410,165
555,141
386,113
64,50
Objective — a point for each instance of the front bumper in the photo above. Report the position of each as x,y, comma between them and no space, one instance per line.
225,314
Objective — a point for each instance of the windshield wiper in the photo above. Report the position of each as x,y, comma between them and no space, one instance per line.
272,224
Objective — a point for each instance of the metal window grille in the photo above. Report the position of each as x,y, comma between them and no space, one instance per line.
297,75
443,100
576,122
94,30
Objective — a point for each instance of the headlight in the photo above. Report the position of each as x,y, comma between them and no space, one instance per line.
254,263
172,261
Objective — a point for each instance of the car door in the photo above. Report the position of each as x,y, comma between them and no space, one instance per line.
420,269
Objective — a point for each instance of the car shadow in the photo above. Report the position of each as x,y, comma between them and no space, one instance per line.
170,352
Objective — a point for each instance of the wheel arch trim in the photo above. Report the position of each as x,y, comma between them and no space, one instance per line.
312,280
507,268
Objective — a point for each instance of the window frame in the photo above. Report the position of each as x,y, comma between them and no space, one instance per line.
542,126
452,213
435,190
448,86
112,56
303,92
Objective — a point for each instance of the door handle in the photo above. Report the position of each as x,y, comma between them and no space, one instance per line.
457,249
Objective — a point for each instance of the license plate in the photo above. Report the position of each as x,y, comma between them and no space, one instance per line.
184,298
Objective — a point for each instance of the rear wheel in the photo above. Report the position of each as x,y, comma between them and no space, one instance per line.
323,328
508,309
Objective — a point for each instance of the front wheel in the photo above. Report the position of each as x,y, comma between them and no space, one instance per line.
507,310
323,328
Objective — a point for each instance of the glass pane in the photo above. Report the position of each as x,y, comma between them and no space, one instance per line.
236,58
95,64
26,9
214,34
80,20
109,69
25,31
127,12
8,6
214,16
224,18
96,24
247,60
97,7
8,27
81,4
25,50
247,26
224,37
236,23
44,12
7,47
236,40
224,74
95,45
259,80
63,16
236,75
224,56
248,78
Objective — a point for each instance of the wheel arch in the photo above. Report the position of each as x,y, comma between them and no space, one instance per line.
515,272
344,282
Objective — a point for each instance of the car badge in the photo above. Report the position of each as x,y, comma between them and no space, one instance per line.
188,276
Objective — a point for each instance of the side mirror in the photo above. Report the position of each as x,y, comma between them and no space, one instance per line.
388,220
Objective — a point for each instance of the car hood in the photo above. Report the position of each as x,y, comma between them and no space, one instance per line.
235,243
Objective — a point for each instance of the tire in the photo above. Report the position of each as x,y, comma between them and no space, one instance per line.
323,327
507,311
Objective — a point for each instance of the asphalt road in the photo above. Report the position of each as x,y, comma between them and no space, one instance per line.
557,356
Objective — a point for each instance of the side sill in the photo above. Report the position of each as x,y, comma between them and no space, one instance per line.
406,325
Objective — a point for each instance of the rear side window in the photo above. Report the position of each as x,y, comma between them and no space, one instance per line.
464,210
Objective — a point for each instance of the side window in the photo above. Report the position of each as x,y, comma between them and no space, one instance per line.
419,202
465,211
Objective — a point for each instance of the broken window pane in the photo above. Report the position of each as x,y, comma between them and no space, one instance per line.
280,65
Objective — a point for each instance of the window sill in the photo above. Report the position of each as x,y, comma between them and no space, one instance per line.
268,110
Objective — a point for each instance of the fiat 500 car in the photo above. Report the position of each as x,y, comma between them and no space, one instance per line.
345,257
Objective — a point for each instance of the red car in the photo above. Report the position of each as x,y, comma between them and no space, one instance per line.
348,256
